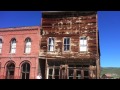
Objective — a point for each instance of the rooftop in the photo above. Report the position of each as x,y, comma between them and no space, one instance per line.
19,28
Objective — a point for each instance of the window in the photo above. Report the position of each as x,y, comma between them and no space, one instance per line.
54,73
51,44
83,44
0,45
25,72
13,46
10,71
28,45
66,44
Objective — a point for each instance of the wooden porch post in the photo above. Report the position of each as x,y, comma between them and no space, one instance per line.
97,68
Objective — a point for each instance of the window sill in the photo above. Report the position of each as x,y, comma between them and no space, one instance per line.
27,53
67,51
12,53
83,52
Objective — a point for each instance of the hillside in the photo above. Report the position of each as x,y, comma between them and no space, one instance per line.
115,71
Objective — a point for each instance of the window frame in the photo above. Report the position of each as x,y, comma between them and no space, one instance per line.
48,49
83,45
29,47
13,47
67,44
25,72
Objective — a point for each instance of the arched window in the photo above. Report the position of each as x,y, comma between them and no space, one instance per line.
25,71
10,70
0,45
28,45
13,46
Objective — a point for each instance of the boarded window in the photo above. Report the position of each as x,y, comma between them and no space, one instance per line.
66,44
83,44
51,44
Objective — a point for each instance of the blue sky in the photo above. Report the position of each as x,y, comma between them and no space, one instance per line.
108,25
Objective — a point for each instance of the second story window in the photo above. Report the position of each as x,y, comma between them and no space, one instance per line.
51,44
66,44
28,45
13,46
83,44
0,45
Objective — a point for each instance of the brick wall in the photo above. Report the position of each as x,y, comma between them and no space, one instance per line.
20,34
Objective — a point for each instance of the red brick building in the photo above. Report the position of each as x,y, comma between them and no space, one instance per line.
19,52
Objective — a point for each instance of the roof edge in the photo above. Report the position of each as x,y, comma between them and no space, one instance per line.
19,28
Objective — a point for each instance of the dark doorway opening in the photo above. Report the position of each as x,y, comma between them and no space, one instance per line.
42,64
10,71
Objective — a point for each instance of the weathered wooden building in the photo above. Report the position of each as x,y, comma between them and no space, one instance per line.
69,45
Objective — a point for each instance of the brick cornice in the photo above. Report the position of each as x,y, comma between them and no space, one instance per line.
20,28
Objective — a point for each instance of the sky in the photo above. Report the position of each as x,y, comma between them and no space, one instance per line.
108,25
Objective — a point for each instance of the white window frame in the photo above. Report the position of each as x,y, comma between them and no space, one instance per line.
1,45
13,46
28,46
83,44
51,45
67,44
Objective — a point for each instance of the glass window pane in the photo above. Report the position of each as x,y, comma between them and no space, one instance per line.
83,48
28,68
81,42
65,41
27,75
68,40
51,48
68,47
23,75
50,71
25,71
0,45
0,50
52,41
0,40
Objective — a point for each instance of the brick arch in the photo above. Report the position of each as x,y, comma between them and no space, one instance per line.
11,61
28,38
13,39
1,37
25,62
10,69
25,72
